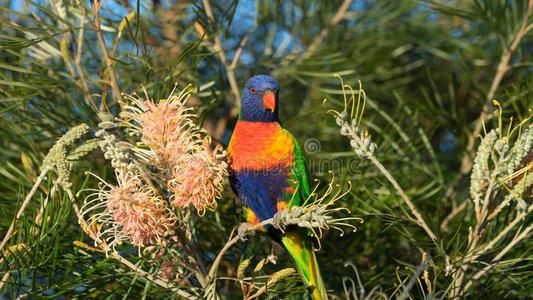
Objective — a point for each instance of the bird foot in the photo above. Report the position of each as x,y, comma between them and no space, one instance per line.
278,220
244,230
273,259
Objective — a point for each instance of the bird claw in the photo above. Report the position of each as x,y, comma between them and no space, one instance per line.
277,220
273,259
244,230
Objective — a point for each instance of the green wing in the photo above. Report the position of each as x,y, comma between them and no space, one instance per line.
300,181
298,243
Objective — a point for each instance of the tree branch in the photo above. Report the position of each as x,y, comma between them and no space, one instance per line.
22,208
502,253
339,16
414,211
117,96
228,67
231,241
501,70
222,55
455,211
238,52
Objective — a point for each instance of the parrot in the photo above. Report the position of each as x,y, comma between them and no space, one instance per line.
268,174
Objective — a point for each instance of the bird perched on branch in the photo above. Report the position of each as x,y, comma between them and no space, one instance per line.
267,172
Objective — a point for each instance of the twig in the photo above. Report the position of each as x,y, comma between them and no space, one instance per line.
315,44
4,280
259,292
414,211
459,277
120,31
214,267
509,246
77,62
155,279
152,278
339,16
238,53
466,163
503,67
200,273
500,236
70,67
79,44
229,68
474,237
231,241
482,272
22,208
222,55
455,211
107,59
417,272
25,203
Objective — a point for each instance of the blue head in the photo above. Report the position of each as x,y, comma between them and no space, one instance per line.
260,99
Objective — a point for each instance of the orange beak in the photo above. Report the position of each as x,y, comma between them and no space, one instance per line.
269,100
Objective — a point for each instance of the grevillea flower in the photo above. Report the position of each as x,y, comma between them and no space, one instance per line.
165,127
193,172
130,211
197,181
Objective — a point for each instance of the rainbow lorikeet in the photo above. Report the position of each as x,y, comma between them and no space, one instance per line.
267,172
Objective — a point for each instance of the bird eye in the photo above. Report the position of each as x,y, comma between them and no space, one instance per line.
252,90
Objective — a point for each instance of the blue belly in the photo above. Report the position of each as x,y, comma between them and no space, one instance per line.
261,190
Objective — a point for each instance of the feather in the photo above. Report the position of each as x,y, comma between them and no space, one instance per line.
300,248
267,171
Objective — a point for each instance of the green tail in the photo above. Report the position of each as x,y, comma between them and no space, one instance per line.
301,250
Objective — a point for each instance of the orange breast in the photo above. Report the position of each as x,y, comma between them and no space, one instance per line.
260,146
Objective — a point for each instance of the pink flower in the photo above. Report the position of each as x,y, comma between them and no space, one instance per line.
193,172
198,180
166,127
134,210
131,211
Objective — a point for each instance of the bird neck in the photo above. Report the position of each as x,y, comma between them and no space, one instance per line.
252,111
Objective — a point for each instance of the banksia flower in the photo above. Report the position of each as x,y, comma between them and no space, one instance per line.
130,211
198,180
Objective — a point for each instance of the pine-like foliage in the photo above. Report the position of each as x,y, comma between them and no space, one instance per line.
435,154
